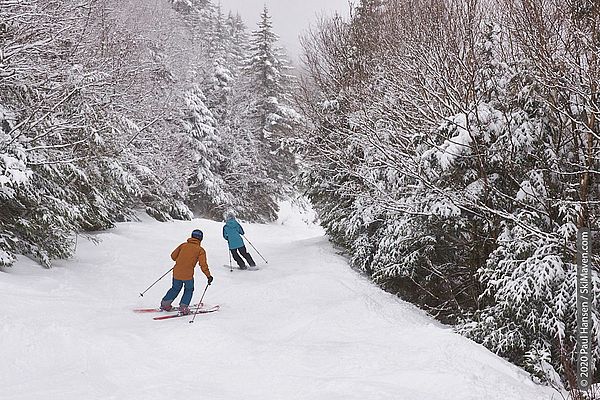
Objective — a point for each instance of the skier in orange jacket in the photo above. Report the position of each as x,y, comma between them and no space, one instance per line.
186,255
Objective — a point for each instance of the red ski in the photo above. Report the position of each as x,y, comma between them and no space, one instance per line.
150,310
200,311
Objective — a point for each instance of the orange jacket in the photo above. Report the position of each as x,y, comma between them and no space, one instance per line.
186,255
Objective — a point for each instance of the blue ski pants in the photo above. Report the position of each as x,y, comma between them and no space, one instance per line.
176,288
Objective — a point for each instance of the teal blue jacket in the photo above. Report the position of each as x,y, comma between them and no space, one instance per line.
232,232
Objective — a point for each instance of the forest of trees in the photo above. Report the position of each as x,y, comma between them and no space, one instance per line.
111,106
452,149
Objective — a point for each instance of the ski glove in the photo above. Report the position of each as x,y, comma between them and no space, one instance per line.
210,279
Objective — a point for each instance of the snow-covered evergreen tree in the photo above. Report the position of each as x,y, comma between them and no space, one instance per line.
272,116
206,185
75,181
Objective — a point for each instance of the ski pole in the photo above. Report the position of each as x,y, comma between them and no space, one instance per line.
142,294
199,304
255,249
230,267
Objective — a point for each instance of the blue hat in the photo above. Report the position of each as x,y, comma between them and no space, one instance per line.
197,234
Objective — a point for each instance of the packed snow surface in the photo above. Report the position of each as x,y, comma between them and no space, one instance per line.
304,326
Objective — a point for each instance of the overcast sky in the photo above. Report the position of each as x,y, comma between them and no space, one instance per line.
290,17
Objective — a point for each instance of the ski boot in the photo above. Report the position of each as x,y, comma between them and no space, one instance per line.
184,309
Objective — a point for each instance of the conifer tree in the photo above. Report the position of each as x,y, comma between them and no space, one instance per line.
206,185
272,117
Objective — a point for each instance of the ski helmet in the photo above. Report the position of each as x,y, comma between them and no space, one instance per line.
229,214
197,234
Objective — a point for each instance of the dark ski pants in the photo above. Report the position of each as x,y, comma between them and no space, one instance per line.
245,254
176,288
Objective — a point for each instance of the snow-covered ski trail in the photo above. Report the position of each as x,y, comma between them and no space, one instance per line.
304,326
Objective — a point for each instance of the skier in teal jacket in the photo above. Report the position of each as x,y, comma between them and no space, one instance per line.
232,232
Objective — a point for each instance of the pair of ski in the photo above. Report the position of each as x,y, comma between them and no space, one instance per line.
193,308
236,268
